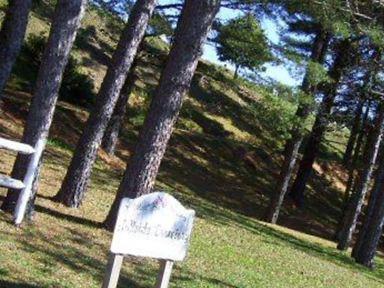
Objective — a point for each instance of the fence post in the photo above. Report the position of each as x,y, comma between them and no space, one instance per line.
29,177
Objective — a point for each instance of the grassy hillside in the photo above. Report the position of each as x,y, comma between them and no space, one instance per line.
223,161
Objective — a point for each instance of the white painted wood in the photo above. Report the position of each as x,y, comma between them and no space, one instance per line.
164,275
16,146
9,182
25,194
112,274
154,225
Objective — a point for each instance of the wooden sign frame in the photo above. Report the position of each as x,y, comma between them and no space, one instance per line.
171,229
114,266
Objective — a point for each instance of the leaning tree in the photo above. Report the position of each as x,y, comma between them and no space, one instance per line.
158,25
371,231
65,23
318,49
11,36
140,176
356,201
340,19
75,183
312,147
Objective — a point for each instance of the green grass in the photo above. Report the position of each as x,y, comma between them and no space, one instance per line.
223,161
227,250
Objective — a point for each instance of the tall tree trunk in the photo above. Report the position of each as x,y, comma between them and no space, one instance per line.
366,246
352,177
75,183
66,21
376,195
112,131
311,150
236,74
319,48
313,145
355,204
356,155
354,173
354,132
139,178
11,37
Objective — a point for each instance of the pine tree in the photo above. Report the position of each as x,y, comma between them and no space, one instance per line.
356,202
112,131
336,18
139,178
319,48
372,229
242,42
374,196
75,183
319,127
354,132
356,153
65,23
11,37
158,26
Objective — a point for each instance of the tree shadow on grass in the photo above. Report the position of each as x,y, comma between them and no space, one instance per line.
217,103
277,237
209,126
98,50
71,251
67,217
59,251
43,10
9,284
208,167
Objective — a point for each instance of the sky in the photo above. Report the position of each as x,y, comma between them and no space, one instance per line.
277,72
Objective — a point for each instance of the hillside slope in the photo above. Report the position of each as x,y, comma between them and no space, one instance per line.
223,161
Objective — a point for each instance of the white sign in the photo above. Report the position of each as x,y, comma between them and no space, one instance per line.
154,225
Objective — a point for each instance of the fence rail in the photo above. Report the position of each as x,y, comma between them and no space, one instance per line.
16,146
9,182
24,186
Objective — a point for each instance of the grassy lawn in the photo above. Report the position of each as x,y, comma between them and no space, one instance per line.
223,161
230,248
66,247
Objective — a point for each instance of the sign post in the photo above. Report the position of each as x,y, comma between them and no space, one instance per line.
113,271
164,274
155,226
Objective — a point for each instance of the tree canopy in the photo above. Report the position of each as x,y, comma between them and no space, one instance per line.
241,41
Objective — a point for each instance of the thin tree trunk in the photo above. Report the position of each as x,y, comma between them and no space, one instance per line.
112,132
66,21
356,156
372,230
313,145
75,183
291,150
376,195
352,177
354,207
236,75
311,150
11,37
354,132
176,78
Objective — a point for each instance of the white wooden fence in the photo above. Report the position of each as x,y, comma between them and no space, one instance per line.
26,184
